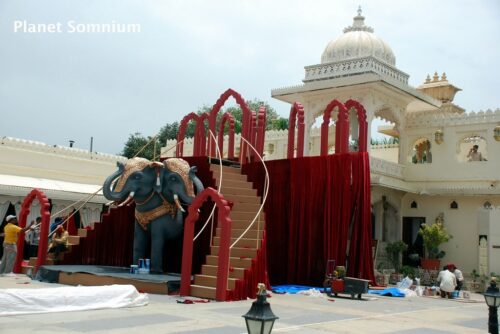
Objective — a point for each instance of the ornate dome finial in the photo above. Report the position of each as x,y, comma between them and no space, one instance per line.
435,78
358,41
359,23
428,79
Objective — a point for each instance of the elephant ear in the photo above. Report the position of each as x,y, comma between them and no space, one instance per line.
181,167
133,165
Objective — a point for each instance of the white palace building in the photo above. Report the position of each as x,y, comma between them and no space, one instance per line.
426,174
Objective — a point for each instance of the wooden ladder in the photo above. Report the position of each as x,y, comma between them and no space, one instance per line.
246,204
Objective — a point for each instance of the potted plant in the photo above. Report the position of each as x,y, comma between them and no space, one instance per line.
433,236
393,250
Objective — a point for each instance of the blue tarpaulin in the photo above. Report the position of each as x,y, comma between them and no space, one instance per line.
292,289
393,292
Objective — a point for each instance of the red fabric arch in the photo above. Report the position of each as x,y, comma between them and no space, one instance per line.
226,118
181,134
341,143
297,110
246,129
199,140
187,251
44,228
363,125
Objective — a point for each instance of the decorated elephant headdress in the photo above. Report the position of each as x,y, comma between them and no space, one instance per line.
182,168
133,165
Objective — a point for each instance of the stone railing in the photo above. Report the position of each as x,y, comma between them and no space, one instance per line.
59,150
383,146
416,120
386,168
355,66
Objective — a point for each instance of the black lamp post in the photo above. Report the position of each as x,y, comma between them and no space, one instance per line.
260,319
492,296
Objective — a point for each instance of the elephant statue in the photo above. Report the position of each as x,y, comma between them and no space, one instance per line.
158,190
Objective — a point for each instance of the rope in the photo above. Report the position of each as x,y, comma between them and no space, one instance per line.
218,191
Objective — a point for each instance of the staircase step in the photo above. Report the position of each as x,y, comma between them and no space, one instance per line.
82,232
245,207
225,169
232,183
239,224
238,191
202,291
242,262
243,242
235,198
238,215
211,281
48,261
27,270
236,252
234,272
74,239
229,176
252,233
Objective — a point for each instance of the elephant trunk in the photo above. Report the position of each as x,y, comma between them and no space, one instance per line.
197,184
108,183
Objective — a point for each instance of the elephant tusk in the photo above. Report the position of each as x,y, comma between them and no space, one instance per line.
177,203
129,199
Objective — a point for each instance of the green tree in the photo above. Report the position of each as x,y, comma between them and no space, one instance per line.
144,145
169,131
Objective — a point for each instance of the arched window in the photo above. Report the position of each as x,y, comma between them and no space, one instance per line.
413,205
453,205
487,205
472,148
421,151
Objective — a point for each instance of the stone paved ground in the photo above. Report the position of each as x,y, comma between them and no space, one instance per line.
298,314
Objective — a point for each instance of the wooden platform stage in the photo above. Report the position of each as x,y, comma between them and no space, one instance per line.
105,275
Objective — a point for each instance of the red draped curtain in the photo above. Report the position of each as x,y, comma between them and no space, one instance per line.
311,208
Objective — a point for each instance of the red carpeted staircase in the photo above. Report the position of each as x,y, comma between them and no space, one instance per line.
247,257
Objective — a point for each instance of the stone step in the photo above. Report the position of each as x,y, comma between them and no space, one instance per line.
27,270
82,232
232,183
235,198
240,262
243,242
236,252
245,207
225,169
252,233
249,216
202,291
74,239
234,272
239,224
228,176
211,281
238,191
48,261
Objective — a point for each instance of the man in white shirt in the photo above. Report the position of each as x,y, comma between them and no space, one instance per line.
447,282
458,275
474,154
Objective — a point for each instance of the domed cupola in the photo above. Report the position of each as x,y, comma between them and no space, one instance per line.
358,41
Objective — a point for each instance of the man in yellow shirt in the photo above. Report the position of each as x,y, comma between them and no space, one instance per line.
11,232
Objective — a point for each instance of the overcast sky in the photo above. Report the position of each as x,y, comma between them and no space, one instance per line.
60,86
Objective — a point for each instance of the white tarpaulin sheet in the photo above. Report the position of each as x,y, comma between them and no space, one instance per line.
79,298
